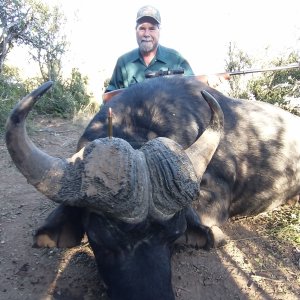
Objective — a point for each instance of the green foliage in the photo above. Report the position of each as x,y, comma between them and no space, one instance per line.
15,18
275,87
39,27
47,39
65,98
237,60
43,33
11,89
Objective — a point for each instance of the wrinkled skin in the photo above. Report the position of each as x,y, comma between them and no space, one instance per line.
256,166
133,257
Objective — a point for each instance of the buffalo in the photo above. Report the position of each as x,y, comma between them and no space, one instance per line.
131,194
136,194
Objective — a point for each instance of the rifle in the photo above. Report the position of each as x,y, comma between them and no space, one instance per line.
204,78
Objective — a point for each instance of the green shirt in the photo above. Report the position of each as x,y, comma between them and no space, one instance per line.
131,69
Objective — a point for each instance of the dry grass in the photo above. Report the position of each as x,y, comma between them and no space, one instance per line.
283,224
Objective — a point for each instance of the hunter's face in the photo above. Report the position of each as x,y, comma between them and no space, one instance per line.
147,36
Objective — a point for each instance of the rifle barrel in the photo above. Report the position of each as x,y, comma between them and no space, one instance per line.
292,66
107,96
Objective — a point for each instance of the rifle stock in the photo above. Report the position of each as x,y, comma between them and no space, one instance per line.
205,78
107,96
225,76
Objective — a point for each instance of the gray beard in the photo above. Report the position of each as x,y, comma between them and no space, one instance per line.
146,47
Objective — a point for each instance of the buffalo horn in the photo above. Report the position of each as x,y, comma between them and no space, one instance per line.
203,149
33,163
159,179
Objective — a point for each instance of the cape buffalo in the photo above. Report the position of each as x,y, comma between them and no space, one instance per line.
257,164
131,194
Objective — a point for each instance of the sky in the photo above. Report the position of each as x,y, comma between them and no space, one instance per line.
100,31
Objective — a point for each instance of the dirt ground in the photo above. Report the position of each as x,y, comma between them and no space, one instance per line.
252,265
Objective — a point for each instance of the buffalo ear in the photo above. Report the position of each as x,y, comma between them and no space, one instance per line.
63,229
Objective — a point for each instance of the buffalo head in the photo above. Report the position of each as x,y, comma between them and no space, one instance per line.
135,202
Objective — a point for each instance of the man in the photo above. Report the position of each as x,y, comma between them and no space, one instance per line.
150,56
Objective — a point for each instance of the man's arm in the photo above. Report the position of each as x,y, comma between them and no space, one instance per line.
188,71
116,82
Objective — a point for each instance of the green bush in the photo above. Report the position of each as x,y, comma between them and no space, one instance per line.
276,87
65,99
11,90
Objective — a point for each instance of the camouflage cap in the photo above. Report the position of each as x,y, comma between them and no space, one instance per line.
148,12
